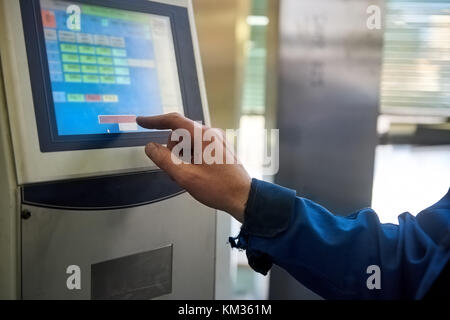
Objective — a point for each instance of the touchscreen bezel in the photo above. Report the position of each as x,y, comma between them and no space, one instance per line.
49,139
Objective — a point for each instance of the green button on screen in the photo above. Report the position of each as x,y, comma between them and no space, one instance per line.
122,71
106,70
89,69
119,52
107,79
72,77
105,60
88,59
103,51
71,67
69,57
74,97
90,78
68,47
86,49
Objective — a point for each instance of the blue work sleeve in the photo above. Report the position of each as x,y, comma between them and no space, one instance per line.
335,256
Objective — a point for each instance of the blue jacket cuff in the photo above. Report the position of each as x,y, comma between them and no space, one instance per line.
269,209
267,214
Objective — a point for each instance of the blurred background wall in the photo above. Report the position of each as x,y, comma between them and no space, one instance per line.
239,50
222,34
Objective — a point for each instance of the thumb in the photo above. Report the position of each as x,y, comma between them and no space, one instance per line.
162,157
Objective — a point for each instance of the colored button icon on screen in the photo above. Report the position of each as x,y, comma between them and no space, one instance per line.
93,98
53,47
123,80
59,96
89,69
53,57
122,71
105,60
48,19
69,57
101,40
54,67
67,36
75,97
85,38
72,77
125,122
119,52
106,70
90,78
71,68
88,59
68,47
110,98
108,119
56,77
128,126
120,62
107,79
50,35
103,51
86,49
117,41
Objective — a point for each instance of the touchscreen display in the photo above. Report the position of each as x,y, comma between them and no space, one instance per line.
108,66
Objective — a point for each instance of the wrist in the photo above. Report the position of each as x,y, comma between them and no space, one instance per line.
239,212
240,202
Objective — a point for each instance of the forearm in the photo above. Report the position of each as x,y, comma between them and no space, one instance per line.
330,254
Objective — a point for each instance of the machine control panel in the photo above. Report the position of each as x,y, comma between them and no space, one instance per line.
79,74
108,66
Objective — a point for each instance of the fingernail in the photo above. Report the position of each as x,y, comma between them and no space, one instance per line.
150,147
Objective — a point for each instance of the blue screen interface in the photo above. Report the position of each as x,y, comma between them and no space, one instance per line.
103,66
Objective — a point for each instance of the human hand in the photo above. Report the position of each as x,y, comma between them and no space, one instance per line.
224,185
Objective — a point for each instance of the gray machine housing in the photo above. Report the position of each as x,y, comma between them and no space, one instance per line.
161,247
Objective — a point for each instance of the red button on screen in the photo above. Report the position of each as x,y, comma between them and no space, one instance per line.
48,19
117,119
93,97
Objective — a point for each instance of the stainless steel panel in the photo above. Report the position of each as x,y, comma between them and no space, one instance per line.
329,79
54,239
139,276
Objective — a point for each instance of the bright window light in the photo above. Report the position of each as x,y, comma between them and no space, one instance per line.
257,20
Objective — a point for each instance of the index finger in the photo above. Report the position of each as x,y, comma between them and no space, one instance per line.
171,121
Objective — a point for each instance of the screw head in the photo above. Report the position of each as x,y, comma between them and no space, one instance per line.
26,214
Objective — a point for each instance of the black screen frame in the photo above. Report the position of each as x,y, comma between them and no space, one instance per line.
49,140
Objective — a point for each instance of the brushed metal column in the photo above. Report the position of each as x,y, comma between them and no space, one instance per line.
330,65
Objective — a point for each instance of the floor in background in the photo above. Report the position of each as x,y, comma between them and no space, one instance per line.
409,178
